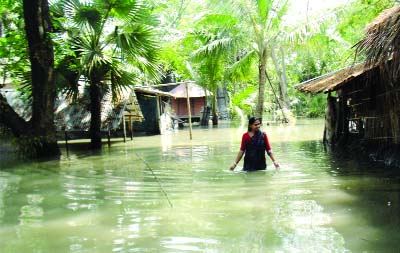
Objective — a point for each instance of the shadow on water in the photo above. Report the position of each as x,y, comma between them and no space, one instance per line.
367,213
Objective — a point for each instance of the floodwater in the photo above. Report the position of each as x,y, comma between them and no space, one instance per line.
169,194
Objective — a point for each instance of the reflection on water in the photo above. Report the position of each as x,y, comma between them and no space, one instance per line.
114,202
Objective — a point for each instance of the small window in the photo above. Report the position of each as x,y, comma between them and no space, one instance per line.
355,126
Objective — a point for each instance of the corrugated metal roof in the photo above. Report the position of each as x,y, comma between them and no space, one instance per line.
195,91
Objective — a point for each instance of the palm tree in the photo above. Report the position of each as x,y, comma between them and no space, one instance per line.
114,42
265,17
215,52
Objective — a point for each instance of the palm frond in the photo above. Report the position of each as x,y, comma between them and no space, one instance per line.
25,83
137,44
216,22
67,76
215,47
92,58
132,12
264,8
83,14
120,77
241,68
277,17
192,71
108,35
56,7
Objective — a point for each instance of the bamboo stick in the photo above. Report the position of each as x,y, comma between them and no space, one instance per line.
124,127
189,110
159,114
130,127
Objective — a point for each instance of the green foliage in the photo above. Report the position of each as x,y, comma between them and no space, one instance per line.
109,42
357,15
172,57
312,106
331,49
14,60
214,37
212,42
312,49
244,99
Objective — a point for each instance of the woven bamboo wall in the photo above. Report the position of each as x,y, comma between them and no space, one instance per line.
374,104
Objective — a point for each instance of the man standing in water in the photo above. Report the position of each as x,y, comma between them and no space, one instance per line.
254,144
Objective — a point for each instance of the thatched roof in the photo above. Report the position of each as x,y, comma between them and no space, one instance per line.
74,115
195,91
383,18
18,101
333,81
381,46
382,41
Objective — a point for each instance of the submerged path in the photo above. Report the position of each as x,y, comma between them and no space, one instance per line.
113,202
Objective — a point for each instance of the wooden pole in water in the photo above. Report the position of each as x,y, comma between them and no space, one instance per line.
189,110
66,142
124,127
159,114
130,126
109,137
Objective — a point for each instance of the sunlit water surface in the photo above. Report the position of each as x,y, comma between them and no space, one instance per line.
169,194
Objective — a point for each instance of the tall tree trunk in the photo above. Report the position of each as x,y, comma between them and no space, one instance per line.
38,136
262,77
41,55
281,73
95,114
214,107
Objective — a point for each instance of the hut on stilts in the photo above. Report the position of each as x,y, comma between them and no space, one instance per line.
72,115
198,101
363,100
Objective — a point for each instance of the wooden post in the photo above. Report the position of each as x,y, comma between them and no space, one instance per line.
130,127
189,110
66,142
158,114
124,127
109,137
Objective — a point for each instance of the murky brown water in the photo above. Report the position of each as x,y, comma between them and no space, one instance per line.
169,194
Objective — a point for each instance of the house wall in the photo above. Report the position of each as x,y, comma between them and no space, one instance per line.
148,105
368,115
179,106
372,106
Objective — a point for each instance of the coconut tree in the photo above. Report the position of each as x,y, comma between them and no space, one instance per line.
114,42
265,17
217,39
